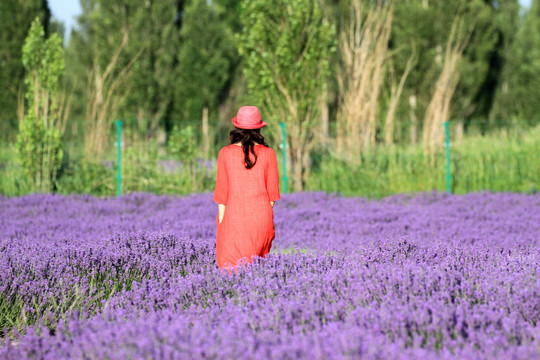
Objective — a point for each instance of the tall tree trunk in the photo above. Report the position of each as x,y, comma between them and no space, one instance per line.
458,137
396,91
103,99
296,160
413,129
205,134
363,46
438,110
325,118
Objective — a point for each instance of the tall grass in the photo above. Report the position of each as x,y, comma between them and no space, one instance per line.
498,162
143,169
502,161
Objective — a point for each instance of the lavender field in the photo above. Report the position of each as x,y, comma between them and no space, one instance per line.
430,276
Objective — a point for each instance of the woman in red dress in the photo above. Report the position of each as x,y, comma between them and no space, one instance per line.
247,185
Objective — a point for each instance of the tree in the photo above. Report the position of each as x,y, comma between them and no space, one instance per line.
520,91
13,31
504,61
423,27
438,110
39,139
363,52
138,67
205,62
151,96
481,68
285,46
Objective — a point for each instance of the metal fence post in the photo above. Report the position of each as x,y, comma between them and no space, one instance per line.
284,152
447,145
119,156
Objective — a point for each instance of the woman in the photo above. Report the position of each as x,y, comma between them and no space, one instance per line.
247,186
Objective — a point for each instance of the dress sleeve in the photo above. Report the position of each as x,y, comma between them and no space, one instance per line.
221,191
272,178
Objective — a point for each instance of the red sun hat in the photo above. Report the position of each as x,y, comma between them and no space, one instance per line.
248,117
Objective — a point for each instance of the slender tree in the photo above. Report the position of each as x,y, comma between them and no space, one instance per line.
285,47
16,17
39,142
147,34
423,27
438,110
363,50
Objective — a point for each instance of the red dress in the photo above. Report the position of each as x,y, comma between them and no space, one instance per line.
247,227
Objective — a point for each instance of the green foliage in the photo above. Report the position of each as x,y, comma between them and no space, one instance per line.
87,178
184,147
520,88
230,9
498,162
285,46
39,152
285,50
145,93
182,143
39,141
422,28
285,43
15,19
43,60
205,60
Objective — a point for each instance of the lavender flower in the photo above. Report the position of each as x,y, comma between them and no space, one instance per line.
431,276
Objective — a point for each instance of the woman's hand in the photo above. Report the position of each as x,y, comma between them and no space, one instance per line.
221,212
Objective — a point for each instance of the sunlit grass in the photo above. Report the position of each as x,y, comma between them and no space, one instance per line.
501,161
294,250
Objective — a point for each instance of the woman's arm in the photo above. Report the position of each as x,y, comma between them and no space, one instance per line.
272,203
221,212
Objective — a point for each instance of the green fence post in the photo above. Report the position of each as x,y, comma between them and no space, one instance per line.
284,152
119,155
447,145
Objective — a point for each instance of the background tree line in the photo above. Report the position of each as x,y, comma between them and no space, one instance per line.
343,75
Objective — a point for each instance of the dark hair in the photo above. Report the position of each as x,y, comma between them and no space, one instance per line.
248,137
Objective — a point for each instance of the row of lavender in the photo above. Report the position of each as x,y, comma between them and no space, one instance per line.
430,276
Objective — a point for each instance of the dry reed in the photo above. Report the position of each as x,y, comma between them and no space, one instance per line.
438,110
103,99
363,45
